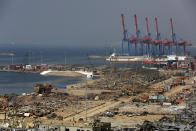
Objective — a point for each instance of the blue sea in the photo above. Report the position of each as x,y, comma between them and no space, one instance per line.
11,82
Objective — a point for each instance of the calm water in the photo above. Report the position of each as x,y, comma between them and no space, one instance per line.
11,82
51,56
21,82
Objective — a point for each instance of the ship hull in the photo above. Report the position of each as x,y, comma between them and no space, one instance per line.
127,59
145,59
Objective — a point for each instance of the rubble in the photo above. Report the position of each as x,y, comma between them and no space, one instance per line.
185,120
43,88
123,94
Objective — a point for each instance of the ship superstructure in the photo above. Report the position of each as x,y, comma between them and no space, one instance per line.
145,59
127,58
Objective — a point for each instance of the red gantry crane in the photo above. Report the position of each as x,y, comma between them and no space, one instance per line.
124,31
157,42
147,46
147,39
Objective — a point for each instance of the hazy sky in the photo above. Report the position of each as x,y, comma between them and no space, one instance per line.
90,22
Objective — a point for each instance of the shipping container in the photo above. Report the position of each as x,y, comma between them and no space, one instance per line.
161,98
166,104
179,101
152,97
12,68
186,78
62,87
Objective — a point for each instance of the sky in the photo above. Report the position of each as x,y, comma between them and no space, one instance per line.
90,23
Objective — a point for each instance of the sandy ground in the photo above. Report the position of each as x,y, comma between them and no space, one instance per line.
162,83
65,73
127,107
98,109
82,92
153,109
84,83
179,88
95,108
130,121
174,91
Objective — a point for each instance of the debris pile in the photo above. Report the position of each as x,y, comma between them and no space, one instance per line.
43,88
185,120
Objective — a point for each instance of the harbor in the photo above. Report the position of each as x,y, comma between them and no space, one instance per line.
128,92
97,65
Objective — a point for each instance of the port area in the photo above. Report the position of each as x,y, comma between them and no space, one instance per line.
126,98
24,68
51,70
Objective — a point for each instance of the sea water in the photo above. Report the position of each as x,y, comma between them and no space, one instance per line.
18,83
11,82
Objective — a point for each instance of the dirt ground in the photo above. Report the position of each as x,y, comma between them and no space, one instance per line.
130,121
76,105
179,88
83,83
65,73
95,108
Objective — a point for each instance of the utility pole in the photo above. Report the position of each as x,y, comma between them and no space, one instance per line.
133,85
134,82
12,59
88,77
65,58
86,106
41,57
12,51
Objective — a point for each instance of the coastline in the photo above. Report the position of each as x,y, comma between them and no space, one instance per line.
20,71
49,73
83,83
64,73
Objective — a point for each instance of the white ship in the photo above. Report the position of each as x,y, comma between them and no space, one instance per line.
146,59
126,58
170,58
